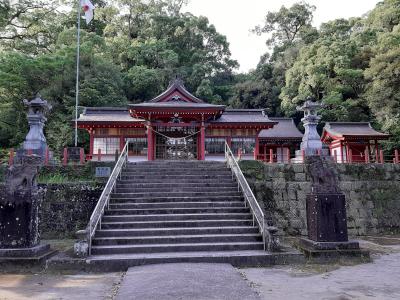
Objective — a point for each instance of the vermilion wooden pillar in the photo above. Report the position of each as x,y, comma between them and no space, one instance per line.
366,153
202,141
271,155
91,143
341,152
229,141
350,153
256,148
150,143
121,143
46,156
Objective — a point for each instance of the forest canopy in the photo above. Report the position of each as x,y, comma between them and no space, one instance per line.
132,49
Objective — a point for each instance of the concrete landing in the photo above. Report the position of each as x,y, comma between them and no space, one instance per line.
248,258
185,281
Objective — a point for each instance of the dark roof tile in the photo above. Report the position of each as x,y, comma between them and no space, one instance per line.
342,129
285,129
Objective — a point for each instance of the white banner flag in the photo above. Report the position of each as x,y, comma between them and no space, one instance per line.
88,8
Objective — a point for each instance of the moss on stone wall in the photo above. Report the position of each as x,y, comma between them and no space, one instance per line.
63,174
71,173
387,208
66,208
372,195
369,171
253,168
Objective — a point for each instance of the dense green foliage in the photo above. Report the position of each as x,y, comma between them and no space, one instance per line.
133,48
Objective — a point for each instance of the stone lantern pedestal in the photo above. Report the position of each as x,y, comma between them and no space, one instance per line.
19,214
326,214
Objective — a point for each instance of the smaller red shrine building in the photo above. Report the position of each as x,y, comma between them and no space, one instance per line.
279,143
353,141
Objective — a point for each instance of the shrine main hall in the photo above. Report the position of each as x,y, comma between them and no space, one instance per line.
178,125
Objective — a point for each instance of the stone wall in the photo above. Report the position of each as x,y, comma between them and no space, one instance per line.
65,208
372,195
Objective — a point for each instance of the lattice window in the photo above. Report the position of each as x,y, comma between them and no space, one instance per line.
215,145
246,144
137,146
107,145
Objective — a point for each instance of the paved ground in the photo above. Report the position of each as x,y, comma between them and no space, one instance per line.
51,286
185,281
377,280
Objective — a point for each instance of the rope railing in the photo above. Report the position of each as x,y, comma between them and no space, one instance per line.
104,200
267,230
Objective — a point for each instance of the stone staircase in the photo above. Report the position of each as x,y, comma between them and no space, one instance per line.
176,211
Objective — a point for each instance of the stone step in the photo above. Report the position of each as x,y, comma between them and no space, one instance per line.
178,239
176,223
157,205
182,181
176,189
177,199
174,194
175,231
177,217
177,164
157,248
178,173
244,258
175,207
174,178
176,167
192,210
210,184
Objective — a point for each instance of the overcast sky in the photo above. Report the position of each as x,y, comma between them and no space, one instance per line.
234,18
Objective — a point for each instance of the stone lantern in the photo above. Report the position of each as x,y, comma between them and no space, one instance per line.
311,142
35,140
20,202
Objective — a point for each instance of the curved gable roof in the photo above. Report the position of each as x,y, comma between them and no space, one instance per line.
176,92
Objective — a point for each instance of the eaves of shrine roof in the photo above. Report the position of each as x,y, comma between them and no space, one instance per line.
284,130
245,116
106,115
352,130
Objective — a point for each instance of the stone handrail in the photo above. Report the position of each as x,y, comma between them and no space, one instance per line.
268,232
83,248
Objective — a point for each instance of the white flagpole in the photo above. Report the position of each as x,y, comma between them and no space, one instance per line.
77,73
